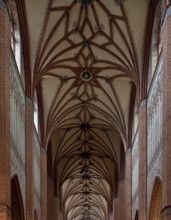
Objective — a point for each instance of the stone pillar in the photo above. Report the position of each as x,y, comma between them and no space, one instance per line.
116,209
166,164
60,213
56,209
111,216
51,203
128,187
121,200
5,203
29,129
43,180
142,188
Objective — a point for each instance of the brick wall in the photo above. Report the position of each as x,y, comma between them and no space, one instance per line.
17,127
166,160
154,128
5,202
142,174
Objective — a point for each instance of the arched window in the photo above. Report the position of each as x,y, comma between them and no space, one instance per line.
15,36
36,116
17,212
155,41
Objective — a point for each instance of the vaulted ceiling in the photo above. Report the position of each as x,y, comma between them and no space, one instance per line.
86,57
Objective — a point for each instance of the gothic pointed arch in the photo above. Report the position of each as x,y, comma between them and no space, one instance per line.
35,215
154,18
136,215
86,71
156,201
23,26
17,210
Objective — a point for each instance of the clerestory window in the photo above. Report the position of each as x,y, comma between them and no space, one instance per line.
15,36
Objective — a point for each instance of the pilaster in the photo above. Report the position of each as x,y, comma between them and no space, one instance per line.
128,187
116,209
121,200
142,188
43,180
29,129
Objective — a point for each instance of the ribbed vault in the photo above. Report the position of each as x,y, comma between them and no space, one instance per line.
85,68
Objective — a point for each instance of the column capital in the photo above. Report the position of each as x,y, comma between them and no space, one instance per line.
43,150
128,151
29,101
142,104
